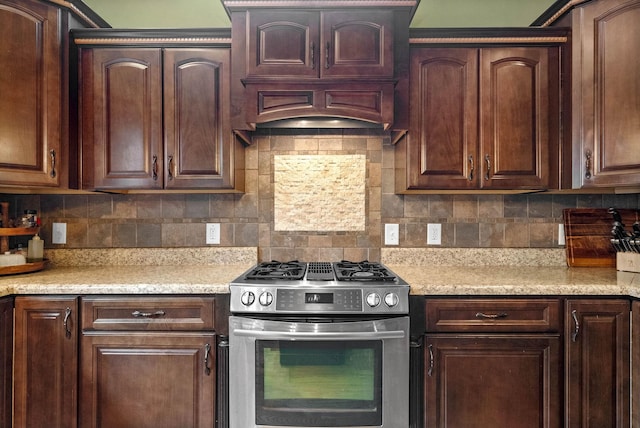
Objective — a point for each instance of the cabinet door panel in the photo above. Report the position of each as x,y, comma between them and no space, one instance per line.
514,116
30,84
597,363
147,380
197,131
122,107
443,121
475,381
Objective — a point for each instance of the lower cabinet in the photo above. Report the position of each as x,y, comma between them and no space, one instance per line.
6,360
597,363
45,362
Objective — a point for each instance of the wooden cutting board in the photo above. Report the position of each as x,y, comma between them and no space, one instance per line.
588,235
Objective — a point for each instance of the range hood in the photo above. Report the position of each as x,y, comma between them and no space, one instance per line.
321,123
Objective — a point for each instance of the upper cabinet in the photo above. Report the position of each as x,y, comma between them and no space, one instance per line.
154,112
321,59
484,111
605,98
34,87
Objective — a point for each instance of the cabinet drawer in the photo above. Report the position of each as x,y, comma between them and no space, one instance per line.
493,315
148,313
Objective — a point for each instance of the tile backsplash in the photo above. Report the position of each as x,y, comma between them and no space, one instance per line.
247,220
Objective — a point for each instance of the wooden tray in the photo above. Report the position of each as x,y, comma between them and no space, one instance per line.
25,268
588,235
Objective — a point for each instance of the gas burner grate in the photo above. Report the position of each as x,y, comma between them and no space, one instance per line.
362,271
320,271
292,270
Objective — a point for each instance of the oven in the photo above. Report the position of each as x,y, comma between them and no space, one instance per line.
319,350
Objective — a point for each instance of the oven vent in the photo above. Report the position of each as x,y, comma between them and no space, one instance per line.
320,271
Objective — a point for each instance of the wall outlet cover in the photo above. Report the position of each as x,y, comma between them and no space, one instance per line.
59,233
391,234
434,234
213,233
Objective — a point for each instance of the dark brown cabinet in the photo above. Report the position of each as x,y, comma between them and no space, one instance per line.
597,361
492,362
34,83
6,360
148,362
482,117
45,362
605,100
157,117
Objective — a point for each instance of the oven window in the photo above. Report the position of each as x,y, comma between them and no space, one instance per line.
318,383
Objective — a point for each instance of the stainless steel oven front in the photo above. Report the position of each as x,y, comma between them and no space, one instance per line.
300,372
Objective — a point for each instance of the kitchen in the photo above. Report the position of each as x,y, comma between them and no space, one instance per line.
482,222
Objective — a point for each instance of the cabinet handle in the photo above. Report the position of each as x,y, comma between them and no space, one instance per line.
431,363
491,316
313,56
154,168
52,155
326,56
471,168
170,168
576,326
156,314
207,352
587,164
487,159
67,329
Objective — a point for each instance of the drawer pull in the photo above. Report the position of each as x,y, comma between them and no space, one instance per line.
207,352
482,315
576,326
431,362
65,322
156,314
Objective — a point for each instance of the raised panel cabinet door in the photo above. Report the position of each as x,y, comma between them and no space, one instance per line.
30,94
147,380
122,118
597,359
198,147
606,94
442,142
479,381
6,360
283,43
517,104
45,362
357,44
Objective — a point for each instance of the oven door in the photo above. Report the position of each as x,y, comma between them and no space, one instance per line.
318,374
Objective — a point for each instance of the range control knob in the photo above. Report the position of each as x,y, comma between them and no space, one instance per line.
248,298
266,298
373,299
391,299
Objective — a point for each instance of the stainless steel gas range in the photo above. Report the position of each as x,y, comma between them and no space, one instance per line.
319,344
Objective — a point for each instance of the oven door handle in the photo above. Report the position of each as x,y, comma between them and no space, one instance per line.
342,335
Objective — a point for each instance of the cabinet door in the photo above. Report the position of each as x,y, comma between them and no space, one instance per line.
357,44
122,118
477,381
442,142
31,94
45,362
606,94
518,106
198,152
6,360
283,43
147,380
597,363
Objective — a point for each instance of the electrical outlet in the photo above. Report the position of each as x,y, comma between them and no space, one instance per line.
59,233
391,234
561,239
434,234
213,233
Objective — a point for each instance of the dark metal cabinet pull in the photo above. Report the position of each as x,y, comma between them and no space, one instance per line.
65,322
326,56
471,168
576,326
170,168
52,155
207,352
313,56
156,314
431,362
154,167
491,316
587,164
487,159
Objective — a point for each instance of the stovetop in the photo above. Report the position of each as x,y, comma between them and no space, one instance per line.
343,287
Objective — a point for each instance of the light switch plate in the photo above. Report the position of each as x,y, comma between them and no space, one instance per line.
561,238
391,234
59,233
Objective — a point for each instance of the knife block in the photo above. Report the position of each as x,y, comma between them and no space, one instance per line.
628,262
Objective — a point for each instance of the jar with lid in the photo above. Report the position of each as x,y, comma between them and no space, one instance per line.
30,218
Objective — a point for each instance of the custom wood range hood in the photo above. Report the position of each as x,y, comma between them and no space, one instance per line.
319,64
